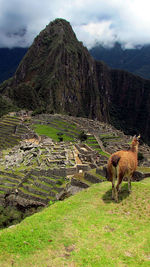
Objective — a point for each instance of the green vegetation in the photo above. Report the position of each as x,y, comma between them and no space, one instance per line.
6,106
80,177
60,136
93,172
50,132
144,169
92,142
47,86
82,136
88,229
11,131
102,152
64,124
11,215
140,156
57,129
105,138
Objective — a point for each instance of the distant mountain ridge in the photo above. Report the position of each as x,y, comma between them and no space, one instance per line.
136,60
9,61
58,75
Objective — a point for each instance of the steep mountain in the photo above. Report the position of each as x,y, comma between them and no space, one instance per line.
9,61
136,60
58,74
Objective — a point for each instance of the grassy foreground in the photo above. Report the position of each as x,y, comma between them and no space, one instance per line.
88,229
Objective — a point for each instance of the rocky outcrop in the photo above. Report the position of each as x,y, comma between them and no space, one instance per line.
137,175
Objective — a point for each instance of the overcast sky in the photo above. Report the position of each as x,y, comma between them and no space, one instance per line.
103,21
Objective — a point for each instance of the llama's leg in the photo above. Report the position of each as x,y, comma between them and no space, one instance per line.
118,186
113,187
113,179
129,184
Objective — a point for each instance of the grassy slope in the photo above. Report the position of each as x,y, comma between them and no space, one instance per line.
50,132
88,229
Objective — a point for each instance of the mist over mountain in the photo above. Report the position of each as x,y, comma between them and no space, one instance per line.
136,60
58,75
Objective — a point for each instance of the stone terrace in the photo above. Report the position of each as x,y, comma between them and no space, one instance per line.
43,165
12,130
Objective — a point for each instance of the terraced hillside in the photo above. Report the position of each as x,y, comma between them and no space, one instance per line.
34,171
70,127
12,130
38,187
43,159
56,124
108,138
9,182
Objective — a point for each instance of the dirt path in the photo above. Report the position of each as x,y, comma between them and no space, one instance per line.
76,153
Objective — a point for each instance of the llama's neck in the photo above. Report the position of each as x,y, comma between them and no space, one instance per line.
134,148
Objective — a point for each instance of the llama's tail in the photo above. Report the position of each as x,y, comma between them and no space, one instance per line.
114,160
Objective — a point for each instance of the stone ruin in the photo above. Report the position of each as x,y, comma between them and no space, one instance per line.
42,154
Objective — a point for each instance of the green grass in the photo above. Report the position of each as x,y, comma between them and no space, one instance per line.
93,172
103,153
92,142
50,132
96,145
66,124
144,169
80,177
100,151
88,229
6,187
10,182
8,138
30,193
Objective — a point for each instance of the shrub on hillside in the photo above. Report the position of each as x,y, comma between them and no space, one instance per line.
82,136
140,156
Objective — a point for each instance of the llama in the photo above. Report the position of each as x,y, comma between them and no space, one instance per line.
123,164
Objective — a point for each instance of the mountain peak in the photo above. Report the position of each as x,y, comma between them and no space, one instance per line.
58,75
58,27
59,22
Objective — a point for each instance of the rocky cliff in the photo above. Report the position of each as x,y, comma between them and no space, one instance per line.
130,103
58,75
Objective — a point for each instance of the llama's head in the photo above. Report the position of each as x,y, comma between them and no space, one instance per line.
135,143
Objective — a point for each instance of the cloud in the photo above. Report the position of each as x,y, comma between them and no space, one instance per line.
103,21
94,33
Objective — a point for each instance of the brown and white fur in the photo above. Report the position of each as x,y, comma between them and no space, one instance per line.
123,164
